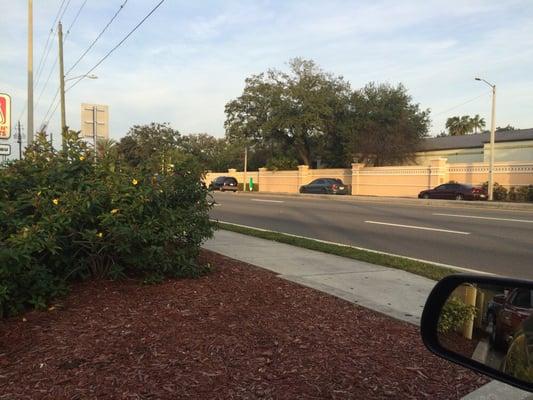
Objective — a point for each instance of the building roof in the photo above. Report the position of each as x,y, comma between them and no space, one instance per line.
473,140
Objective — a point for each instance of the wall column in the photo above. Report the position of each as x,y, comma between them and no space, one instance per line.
438,172
356,168
262,183
303,173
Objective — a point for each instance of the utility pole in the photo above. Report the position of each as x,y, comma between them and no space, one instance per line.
492,139
62,84
19,140
245,167
95,128
30,72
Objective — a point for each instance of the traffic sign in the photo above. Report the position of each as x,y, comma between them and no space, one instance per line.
5,149
5,116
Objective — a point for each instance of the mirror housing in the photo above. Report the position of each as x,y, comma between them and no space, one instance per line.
497,289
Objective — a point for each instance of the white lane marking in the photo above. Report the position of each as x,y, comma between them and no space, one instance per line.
217,204
268,201
527,221
462,269
424,228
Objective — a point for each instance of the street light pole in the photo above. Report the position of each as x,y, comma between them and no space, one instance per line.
62,85
29,130
492,138
245,167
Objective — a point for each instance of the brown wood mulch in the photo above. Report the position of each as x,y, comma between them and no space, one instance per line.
237,333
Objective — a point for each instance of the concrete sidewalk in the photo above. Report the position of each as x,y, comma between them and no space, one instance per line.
396,293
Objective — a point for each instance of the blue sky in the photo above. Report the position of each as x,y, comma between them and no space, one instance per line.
190,58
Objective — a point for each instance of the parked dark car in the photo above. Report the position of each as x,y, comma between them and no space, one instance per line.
325,186
505,313
224,183
454,191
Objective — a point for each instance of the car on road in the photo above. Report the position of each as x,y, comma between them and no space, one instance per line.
224,183
325,186
454,191
505,313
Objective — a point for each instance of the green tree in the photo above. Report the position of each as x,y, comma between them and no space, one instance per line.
105,147
215,154
155,146
458,126
505,128
477,122
292,113
383,126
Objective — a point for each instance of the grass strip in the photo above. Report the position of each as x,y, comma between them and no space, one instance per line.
427,270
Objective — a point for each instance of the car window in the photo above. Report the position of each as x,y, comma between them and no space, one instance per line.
230,180
220,179
522,299
317,182
441,187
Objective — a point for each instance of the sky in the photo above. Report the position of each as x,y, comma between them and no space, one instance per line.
191,57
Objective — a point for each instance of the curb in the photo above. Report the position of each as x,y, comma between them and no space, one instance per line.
498,205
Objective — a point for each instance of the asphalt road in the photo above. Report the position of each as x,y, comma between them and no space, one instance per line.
495,241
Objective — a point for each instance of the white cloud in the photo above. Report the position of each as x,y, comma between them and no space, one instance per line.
190,59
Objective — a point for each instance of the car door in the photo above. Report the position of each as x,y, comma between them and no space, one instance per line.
315,186
515,311
439,192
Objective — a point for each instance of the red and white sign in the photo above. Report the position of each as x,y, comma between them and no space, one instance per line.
5,116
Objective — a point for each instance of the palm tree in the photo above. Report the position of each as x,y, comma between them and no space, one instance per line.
477,123
458,126
105,147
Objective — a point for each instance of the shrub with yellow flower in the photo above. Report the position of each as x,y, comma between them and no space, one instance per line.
55,201
134,181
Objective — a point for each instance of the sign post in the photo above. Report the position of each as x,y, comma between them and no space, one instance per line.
5,149
5,116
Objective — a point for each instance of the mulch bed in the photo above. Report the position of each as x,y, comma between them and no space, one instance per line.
457,343
237,333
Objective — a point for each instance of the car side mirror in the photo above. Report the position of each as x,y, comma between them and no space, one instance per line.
462,323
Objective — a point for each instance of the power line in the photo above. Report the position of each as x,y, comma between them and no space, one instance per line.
56,60
46,83
50,108
75,18
117,45
460,105
46,51
64,10
97,37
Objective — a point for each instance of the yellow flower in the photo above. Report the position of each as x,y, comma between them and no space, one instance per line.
114,211
99,234
39,193
134,181
55,201
82,158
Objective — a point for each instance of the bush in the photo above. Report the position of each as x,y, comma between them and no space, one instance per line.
500,192
520,194
454,314
255,187
64,218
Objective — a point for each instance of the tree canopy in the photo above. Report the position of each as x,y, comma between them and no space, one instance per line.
306,115
464,125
